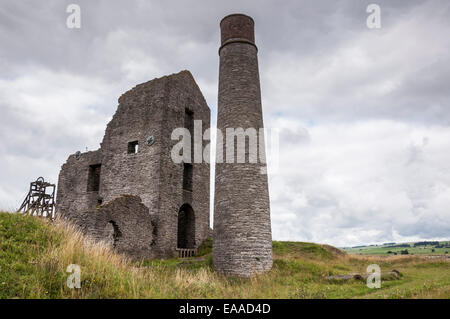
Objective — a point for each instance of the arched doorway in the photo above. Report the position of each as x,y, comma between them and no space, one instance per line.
186,227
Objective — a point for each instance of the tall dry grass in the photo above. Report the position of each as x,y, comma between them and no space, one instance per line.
106,274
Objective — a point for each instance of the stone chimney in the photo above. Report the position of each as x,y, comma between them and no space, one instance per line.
242,243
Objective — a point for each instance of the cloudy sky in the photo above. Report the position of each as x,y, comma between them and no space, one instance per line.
363,114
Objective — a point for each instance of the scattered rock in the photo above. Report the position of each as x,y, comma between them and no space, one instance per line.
391,275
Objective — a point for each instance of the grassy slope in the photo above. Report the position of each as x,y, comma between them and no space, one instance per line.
34,256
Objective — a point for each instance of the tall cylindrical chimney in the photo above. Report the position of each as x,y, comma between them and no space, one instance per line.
242,239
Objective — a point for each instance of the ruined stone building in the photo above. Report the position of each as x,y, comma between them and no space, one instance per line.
129,192
132,195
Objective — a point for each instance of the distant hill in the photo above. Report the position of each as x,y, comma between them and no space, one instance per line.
414,248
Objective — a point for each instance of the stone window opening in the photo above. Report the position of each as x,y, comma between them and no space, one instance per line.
186,227
187,176
189,120
93,184
133,147
189,125
154,232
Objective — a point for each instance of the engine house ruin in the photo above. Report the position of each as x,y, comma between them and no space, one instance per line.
130,193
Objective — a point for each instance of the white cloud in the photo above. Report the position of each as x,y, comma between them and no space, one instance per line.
45,117
358,177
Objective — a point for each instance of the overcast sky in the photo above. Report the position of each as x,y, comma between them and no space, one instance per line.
363,114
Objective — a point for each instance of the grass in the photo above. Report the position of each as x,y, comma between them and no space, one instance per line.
34,255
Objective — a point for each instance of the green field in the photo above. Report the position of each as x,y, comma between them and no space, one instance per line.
429,249
34,256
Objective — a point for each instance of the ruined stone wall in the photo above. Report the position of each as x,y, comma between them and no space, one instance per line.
138,116
183,94
147,114
122,224
73,194
242,240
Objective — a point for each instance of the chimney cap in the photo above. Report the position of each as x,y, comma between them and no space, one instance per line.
237,14
237,26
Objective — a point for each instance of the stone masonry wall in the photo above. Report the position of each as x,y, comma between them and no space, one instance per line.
122,224
187,96
152,109
73,195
